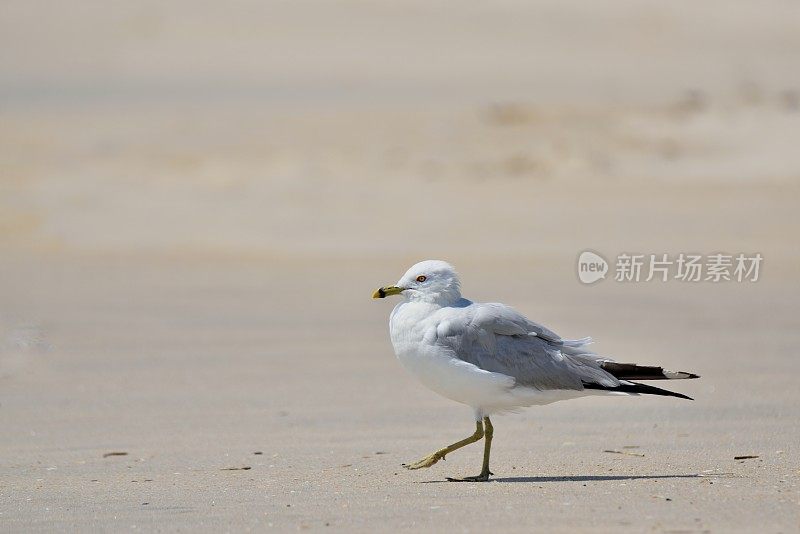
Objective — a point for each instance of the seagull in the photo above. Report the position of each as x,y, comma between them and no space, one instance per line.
494,359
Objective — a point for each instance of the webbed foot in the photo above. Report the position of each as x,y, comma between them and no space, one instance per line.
425,462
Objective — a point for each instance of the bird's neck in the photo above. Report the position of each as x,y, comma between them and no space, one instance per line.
439,298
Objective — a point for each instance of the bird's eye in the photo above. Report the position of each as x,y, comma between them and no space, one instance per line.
421,278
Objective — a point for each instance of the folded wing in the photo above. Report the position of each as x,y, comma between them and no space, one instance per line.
497,338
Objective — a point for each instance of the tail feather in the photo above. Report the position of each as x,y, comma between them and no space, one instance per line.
632,371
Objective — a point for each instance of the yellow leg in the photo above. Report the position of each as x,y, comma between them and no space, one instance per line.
441,453
487,447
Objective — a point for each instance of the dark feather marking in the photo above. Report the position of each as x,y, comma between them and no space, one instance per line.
632,371
634,387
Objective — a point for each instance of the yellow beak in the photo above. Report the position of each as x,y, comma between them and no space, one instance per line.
387,291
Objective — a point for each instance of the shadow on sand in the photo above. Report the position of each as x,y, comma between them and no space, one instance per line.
575,478
590,478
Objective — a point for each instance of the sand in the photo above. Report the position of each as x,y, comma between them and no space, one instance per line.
196,204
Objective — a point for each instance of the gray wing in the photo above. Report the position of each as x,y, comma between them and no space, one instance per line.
497,338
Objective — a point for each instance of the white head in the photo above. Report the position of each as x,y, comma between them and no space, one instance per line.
432,281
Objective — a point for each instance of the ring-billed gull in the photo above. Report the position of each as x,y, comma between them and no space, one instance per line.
492,358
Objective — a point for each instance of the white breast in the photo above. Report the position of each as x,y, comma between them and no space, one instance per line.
413,327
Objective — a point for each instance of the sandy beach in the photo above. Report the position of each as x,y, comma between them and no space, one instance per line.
197,201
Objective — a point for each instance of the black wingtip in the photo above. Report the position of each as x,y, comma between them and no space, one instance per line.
680,396
641,389
633,371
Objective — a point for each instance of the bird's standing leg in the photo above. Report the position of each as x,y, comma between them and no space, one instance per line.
488,431
440,454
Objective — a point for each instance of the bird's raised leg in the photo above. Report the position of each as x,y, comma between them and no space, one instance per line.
488,432
440,454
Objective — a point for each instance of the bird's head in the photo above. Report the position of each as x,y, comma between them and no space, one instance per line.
432,281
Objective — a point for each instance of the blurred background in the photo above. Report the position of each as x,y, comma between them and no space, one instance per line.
198,198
